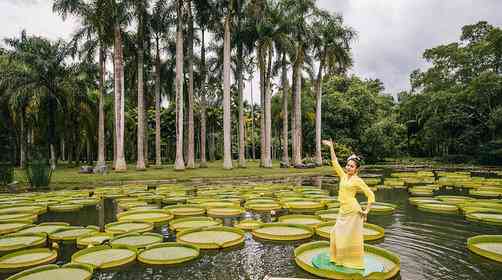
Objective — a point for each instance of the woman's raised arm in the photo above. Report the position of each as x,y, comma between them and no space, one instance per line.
334,161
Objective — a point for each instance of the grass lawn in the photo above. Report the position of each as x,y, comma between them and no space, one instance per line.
69,176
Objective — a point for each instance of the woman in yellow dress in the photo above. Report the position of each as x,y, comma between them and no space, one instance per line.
346,238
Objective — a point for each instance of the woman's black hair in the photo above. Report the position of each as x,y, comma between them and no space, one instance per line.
356,159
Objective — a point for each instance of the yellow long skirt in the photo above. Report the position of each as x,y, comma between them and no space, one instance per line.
347,241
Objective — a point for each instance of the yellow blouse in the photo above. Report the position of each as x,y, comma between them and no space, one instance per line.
348,189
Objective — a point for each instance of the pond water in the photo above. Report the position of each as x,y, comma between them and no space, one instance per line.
431,246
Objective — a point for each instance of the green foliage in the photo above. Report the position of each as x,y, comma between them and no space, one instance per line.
38,169
457,103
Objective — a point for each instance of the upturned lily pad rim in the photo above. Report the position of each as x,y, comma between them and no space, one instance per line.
197,209
145,260
492,221
65,207
212,245
22,274
242,223
290,237
318,227
337,275
40,241
379,229
263,206
51,256
29,216
167,216
473,241
22,225
14,208
438,208
388,208
81,243
285,218
328,211
147,227
108,264
415,200
173,224
84,201
220,211
115,244
485,193
53,236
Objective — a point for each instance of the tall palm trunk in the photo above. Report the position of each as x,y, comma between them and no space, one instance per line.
22,142
101,121
120,164
253,148
242,143
227,140
263,134
318,112
158,157
140,163
203,117
179,163
191,132
285,90
268,112
297,121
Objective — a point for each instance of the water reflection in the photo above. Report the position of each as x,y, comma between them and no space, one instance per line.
431,246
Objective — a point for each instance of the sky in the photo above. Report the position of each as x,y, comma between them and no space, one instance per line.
392,34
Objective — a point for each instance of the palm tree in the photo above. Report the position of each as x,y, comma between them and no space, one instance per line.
46,76
162,16
227,141
119,16
191,130
179,164
332,48
271,30
204,16
94,21
141,8
298,15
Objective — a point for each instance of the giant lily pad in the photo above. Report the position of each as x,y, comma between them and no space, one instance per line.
70,234
69,271
104,257
168,253
193,222
186,210
93,239
370,231
487,217
46,228
128,227
136,240
13,226
386,263
158,217
308,220
211,237
283,231
438,208
27,258
14,242
489,246
225,211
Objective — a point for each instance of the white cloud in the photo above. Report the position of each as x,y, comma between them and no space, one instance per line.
394,34
35,16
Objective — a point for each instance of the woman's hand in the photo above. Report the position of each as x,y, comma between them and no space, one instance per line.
364,214
328,143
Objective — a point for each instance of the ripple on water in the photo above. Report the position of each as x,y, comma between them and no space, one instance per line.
430,245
